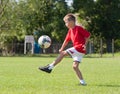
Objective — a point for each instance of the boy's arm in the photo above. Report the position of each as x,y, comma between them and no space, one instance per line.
67,39
86,40
63,46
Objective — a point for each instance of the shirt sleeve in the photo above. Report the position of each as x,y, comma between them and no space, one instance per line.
84,32
68,38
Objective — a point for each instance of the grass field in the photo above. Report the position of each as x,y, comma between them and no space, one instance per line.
20,75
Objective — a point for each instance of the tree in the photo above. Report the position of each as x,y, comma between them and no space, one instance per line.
3,19
31,17
58,30
47,18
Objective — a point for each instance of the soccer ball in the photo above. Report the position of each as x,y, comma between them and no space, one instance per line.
44,41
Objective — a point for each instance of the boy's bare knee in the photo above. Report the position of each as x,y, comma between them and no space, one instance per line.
63,53
75,67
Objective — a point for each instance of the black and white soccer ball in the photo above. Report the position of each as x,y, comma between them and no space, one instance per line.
44,41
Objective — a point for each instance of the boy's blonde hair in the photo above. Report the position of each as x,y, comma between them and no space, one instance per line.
69,17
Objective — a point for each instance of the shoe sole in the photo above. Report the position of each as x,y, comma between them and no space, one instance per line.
82,84
44,70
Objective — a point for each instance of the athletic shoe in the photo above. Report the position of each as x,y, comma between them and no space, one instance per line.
83,83
45,69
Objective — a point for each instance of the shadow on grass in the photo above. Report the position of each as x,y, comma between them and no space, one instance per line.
101,85
108,85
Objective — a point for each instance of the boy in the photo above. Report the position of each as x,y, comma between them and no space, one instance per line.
79,38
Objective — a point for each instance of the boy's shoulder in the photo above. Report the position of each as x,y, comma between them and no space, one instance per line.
79,27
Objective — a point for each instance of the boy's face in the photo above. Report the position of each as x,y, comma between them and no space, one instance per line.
69,23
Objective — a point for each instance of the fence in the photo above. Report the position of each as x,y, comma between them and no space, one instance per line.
94,47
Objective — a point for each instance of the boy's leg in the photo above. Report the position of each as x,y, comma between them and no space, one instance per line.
78,72
59,58
76,69
49,67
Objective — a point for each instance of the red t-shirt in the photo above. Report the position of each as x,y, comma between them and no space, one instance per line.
77,35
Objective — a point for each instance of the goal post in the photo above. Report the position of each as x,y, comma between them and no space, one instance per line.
29,39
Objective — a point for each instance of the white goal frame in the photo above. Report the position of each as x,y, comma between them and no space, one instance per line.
29,39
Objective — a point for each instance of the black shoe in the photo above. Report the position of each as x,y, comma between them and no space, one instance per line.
45,69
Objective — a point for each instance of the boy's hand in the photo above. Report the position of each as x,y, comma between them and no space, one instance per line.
60,50
84,47
63,46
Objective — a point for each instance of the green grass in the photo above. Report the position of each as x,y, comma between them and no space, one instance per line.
20,75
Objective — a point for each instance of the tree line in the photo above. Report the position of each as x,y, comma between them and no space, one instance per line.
37,17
